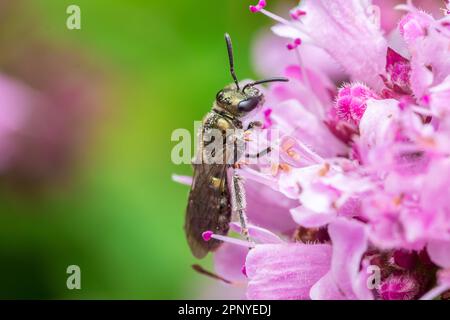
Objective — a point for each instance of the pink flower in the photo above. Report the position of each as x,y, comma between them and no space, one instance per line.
361,177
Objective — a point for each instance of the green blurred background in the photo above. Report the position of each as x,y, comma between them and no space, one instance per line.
118,215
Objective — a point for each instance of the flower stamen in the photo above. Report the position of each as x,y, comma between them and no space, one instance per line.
260,8
297,42
296,14
261,4
208,235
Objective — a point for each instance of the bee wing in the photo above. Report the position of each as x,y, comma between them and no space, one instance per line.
209,208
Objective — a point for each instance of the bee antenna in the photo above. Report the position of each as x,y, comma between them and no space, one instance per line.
251,84
231,59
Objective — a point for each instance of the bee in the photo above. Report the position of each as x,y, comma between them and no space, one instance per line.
217,191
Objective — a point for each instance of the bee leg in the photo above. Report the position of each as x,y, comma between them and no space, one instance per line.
254,124
250,127
239,204
259,154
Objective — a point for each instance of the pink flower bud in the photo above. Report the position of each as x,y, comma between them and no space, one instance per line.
351,102
404,287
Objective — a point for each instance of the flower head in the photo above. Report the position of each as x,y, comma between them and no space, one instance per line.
363,169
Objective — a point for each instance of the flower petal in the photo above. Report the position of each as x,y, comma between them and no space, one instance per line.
375,124
326,289
285,271
439,252
440,95
269,208
345,281
310,219
229,260
295,119
344,29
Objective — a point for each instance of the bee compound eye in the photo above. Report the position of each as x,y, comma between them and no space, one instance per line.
249,104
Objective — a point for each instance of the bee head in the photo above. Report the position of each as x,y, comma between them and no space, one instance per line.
239,102
235,100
